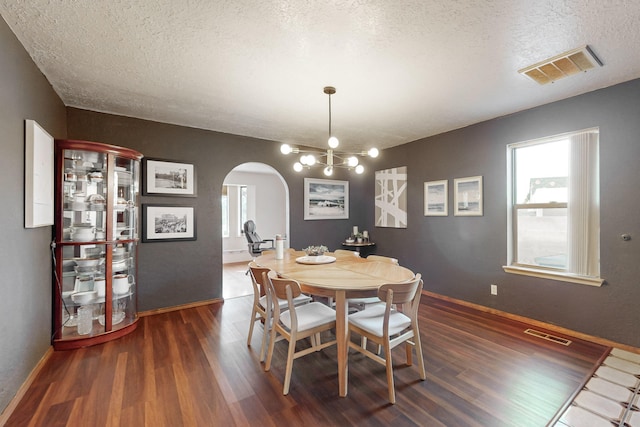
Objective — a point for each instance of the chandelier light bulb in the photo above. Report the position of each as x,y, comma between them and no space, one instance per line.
333,142
359,169
308,160
328,171
352,161
373,152
285,149
297,166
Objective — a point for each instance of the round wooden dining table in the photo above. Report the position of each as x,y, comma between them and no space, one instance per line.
346,277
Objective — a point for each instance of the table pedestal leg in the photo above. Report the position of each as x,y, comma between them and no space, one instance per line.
342,341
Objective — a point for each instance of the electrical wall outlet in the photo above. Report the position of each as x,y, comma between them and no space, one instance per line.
494,289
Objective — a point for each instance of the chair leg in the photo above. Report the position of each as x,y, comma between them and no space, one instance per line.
318,340
272,340
289,368
251,324
407,349
389,365
265,336
418,346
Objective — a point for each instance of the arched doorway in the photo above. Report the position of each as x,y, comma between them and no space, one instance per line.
253,191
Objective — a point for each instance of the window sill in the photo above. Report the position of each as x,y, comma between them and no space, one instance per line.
553,275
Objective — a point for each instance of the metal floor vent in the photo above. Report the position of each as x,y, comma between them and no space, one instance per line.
563,65
548,337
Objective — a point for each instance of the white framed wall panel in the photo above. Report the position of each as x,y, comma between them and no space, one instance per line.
38,176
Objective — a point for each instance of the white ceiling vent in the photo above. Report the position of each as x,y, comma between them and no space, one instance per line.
561,66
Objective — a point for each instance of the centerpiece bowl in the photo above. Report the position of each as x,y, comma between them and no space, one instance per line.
315,250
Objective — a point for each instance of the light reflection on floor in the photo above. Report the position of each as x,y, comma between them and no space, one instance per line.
235,283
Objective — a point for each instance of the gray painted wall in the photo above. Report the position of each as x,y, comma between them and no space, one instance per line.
461,256
25,287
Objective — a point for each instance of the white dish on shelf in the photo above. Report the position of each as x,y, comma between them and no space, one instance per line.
116,318
82,237
322,259
83,297
119,265
79,206
88,262
69,321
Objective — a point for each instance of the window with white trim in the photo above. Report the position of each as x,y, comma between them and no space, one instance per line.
554,214
225,211
242,208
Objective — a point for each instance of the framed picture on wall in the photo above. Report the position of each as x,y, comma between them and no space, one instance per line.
165,223
436,198
467,196
326,199
391,198
168,178
38,176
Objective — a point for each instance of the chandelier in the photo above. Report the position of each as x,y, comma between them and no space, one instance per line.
330,159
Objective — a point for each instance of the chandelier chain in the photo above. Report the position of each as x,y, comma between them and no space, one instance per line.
330,134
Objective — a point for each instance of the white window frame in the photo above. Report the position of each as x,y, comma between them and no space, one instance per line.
242,220
583,268
225,230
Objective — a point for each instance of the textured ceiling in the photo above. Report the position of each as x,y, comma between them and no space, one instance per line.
403,70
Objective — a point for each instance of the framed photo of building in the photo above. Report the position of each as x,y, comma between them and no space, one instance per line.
436,198
168,178
326,199
467,196
164,223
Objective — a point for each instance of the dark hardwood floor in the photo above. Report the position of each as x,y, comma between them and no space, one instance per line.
193,368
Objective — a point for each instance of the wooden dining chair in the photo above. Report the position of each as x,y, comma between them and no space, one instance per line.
389,327
346,253
296,323
383,259
362,303
261,309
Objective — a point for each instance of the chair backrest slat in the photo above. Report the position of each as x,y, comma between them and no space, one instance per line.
280,286
346,253
257,279
402,295
383,259
283,289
